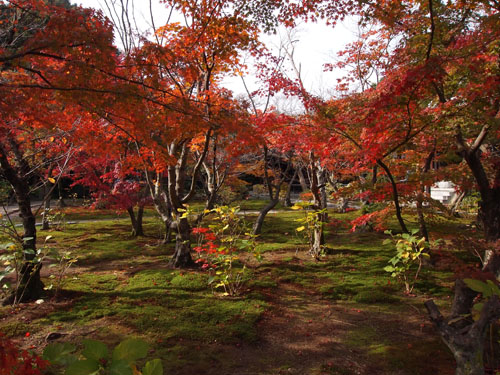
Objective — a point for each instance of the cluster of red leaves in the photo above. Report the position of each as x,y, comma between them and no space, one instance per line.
207,250
375,219
14,361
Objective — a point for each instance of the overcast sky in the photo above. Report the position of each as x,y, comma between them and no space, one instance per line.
316,44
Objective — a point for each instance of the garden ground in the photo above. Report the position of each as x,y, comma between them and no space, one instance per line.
341,315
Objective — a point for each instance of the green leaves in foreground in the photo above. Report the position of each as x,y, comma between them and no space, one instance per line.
95,358
487,289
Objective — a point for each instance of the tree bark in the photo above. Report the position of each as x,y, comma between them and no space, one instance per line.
273,189
288,200
257,227
464,337
45,214
30,284
456,202
136,221
489,206
317,183
302,180
182,254
209,205
420,198
395,196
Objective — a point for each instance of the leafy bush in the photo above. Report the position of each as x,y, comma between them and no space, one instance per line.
218,246
96,358
407,262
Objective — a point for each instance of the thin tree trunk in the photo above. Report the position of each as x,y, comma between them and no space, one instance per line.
317,181
489,216
288,200
209,205
136,221
45,214
257,227
274,197
395,196
60,200
140,215
420,198
456,202
374,174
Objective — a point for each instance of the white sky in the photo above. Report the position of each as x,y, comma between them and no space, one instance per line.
316,45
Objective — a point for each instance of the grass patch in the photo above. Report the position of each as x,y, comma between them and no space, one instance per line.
121,287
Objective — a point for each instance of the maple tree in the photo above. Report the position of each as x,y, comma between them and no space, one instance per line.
167,102
437,94
37,52
113,185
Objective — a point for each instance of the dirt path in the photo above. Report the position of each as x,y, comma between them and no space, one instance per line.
301,334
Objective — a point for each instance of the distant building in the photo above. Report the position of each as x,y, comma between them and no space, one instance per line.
443,191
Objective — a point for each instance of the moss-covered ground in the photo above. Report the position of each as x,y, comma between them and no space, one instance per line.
341,315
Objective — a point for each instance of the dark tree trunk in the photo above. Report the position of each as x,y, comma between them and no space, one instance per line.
274,196
489,206
420,199
182,254
288,200
395,196
463,336
30,285
489,216
60,201
168,232
317,183
140,215
374,174
257,227
421,218
209,205
45,214
136,221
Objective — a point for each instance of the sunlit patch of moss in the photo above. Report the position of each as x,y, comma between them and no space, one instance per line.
92,282
192,281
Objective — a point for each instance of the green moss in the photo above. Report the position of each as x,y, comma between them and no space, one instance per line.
123,284
17,329
201,317
91,282
149,279
190,281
